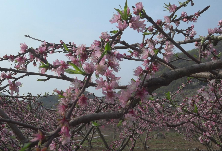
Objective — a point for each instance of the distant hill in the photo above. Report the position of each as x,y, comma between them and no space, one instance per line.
190,89
52,101
49,101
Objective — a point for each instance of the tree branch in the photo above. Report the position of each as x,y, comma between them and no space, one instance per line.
166,78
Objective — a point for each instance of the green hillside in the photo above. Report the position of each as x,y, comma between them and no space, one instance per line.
190,89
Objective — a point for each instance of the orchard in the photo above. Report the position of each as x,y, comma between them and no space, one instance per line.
133,109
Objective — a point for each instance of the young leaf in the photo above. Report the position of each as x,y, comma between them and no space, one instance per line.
107,48
65,47
114,31
119,11
120,123
125,11
156,51
71,71
44,65
61,96
77,69
25,147
195,110
145,33
168,97
95,124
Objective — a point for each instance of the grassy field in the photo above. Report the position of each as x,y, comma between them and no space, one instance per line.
172,142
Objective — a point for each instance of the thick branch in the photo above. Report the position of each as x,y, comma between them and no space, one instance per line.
19,123
167,78
96,116
14,128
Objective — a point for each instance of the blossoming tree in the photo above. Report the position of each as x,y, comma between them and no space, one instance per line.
25,124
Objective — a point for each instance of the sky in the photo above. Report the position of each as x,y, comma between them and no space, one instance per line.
81,22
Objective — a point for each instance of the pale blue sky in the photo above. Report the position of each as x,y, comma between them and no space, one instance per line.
80,22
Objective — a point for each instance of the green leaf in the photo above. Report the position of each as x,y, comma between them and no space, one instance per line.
130,51
123,14
114,31
65,47
125,11
95,124
119,11
75,67
77,71
146,33
25,147
151,98
107,48
71,71
61,96
195,110
156,51
168,96
44,65
133,80
120,123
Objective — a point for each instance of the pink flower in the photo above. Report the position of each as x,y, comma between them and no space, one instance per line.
23,47
109,74
81,49
114,65
110,95
3,75
21,60
14,86
41,50
159,22
65,140
167,55
169,46
142,94
43,70
100,83
89,67
118,55
124,96
105,36
154,68
122,25
52,146
211,31
95,46
101,69
38,137
138,9
183,14
136,24
167,19
172,8
65,135
65,131
220,23
193,33
83,100
150,29
61,109
77,83
62,66
115,18
138,71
